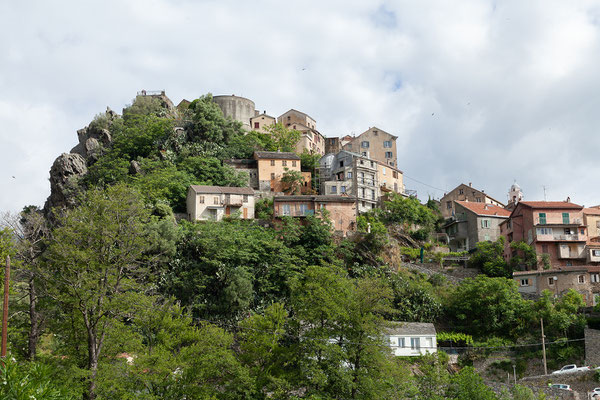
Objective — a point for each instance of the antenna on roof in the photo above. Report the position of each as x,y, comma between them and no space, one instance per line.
544,187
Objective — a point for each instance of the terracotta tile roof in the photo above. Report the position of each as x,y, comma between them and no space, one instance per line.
484,209
276,155
221,189
559,270
551,204
591,211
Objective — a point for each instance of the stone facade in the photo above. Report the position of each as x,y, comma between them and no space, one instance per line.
237,108
249,166
311,140
464,193
375,144
592,347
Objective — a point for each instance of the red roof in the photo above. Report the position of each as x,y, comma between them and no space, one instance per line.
591,211
484,209
551,204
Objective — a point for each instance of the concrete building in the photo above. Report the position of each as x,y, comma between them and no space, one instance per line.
391,179
591,219
259,122
311,140
583,279
347,173
341,209
237,108
473,223
555,228
212,203
271,165
464,193
412,338
375,144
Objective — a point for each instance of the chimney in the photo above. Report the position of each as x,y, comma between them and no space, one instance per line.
568,199
469,184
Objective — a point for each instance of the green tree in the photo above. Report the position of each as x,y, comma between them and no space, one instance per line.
468,385
26,381
284,139
561,315
488,258
205,123
292,181
526,256
93,259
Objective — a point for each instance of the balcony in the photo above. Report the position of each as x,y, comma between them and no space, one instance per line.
232,202
366,181
296,213
560,238
571,253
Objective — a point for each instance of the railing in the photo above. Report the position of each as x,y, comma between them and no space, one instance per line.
567,237
557,221
232,202
366,181
563,237
299,213
150,92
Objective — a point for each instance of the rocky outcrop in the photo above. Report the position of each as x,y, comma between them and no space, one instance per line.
95,137
65,173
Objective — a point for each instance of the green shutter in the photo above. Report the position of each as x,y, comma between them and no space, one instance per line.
565,218
543,218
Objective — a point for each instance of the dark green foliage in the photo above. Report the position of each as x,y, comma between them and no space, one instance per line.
413,299
263,208
488,258
26,381
205,123
526,257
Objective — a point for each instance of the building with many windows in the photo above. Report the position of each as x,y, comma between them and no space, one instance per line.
212,203
374,143
411,338
311,140
464,193
583,279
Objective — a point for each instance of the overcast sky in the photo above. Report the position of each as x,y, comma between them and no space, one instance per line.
476,91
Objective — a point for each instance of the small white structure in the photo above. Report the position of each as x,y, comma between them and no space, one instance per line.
212,203
412,338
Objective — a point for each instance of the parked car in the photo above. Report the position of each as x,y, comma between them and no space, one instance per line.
595,390
567,369
561,386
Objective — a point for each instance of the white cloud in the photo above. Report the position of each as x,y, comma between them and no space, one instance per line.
512,85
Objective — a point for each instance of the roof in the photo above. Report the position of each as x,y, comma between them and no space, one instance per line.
317,198
477,190
591,211
277,155
221,189
484,209
411,328
551,204
558,270
379,130
241,161
299,112
262,115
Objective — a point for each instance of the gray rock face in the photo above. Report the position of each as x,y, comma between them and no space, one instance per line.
134,168
64,174
95,137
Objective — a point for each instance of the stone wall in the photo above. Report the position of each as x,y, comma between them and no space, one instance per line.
592,347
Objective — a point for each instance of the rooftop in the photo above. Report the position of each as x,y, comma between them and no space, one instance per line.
591,211
411,328
484,209
277,155
221,189
552,204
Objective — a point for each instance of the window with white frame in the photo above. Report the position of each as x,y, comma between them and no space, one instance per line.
596,253
387,144
594,278
285,209
415,343
581,279
364,144
543,231
525,282
486,223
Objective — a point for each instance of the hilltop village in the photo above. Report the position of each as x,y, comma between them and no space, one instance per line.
210,250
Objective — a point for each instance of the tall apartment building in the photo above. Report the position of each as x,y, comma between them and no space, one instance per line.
375,144
555,228
311,139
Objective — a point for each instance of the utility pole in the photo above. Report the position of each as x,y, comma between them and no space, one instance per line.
544,346
5,309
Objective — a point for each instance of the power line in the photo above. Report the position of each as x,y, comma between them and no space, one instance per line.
423,183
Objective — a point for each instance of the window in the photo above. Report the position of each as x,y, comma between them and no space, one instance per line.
565,218
486,223
256,125
341,163
461,191
384,170
364,144
524,282
288,117
245,198
594,278
343,189
215,200
509,224
272,175
349,175
486,238
388,154
387,144
372,194
375,133
285,209
372,164
364,153
545,248
334,190
543,231
293,163
569,263
284,163
510,237
201,200
582,231
478,199
361,192
272,163
596,253
401,342
581,279
394,174
551,281
542,217
448,205
303,208
415,343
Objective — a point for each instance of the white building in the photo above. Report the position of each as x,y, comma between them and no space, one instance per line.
412,338
206,203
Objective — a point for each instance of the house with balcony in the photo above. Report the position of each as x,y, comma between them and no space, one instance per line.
464,193
473,223
555,228
212,203
341,210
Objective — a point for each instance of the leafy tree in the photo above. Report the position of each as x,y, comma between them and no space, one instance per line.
468,385
205,123
310,162
488,258
413,300
410,213
25,381
561,315
144,106
292,181
370,223
486,306
94,255
284,139
526,256
263,208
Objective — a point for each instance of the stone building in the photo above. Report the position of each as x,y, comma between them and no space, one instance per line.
473,223
249,166
376,144
584,279
341,209
464,193
271,165
237,108
212,203
259,122
311,140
